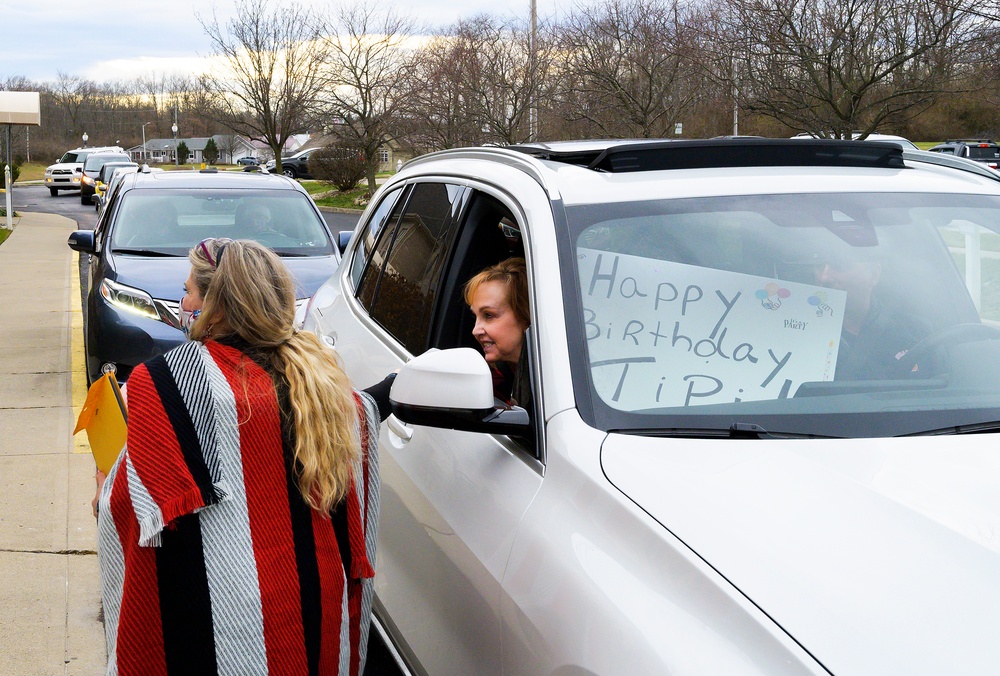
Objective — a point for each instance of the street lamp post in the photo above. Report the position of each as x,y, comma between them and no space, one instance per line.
144,140
173,128
85,137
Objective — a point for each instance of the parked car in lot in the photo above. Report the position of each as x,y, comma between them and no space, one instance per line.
104,177
92,170
252,161
138,252
66,173
294,166
983,151
902,142
764,383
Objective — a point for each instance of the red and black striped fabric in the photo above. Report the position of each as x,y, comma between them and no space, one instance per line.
210,560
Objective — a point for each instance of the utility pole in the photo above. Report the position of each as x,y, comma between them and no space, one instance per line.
174,129
533,64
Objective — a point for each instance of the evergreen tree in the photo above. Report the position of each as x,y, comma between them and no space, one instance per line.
211,152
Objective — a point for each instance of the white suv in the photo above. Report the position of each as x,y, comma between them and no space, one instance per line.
760,386
66,173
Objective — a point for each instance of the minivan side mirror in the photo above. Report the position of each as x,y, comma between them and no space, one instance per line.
83,241
453,389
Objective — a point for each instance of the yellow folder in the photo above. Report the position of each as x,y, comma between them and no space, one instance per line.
106,421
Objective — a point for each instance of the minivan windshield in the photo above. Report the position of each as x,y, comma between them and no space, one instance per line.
172,221
836,315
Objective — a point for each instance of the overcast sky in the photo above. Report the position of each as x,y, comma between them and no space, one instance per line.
121,39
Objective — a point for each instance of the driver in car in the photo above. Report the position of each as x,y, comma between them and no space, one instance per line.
876,335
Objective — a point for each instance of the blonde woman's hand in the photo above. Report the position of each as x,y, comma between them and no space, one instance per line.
99,477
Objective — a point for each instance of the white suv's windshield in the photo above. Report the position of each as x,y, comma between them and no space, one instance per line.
826,314
72,157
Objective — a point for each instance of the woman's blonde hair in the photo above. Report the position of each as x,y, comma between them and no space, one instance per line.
248,292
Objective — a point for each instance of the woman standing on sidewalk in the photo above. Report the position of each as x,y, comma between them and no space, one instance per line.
237,529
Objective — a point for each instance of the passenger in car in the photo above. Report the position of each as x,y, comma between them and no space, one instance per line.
875,334
498,297
236,531
253,218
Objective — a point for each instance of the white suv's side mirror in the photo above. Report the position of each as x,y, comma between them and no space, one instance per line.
453,389
457,378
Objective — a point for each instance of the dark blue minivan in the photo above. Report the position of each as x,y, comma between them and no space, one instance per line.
138,252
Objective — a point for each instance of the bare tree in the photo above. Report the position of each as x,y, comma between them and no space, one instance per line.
365,76
835,68
503,75
631,66
272,79
439,113
72,94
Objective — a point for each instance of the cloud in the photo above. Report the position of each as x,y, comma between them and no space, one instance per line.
121,39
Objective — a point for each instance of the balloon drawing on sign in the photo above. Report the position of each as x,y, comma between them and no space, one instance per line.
770,296
818,300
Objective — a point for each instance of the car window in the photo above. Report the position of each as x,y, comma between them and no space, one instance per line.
371,231
983,153
406,277
172,221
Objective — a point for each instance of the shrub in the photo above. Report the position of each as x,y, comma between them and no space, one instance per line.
211,152
182,152
340,164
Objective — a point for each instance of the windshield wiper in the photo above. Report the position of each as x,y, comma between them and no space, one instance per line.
291,254
738,430
972,428
145,252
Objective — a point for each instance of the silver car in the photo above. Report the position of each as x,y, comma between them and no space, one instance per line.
749,364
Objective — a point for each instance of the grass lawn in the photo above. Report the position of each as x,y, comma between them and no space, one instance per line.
4,234
32,171
325,195
343,200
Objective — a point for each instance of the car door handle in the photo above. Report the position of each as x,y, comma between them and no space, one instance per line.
399,428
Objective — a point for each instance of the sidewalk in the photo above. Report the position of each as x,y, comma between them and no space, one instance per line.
49,588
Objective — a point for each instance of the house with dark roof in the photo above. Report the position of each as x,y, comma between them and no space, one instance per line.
231,147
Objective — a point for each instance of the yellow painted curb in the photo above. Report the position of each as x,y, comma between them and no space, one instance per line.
78,361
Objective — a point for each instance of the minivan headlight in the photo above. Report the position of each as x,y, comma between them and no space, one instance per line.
129,299
87,180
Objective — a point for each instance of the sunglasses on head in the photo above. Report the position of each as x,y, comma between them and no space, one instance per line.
219,245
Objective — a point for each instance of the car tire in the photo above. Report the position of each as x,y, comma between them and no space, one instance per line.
54,192
289,172
84,199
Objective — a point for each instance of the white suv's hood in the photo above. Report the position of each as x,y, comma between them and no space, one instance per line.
878,556
65,165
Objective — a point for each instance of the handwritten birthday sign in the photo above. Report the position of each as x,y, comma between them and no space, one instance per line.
668,334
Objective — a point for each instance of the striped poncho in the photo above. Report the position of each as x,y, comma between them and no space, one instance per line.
210,560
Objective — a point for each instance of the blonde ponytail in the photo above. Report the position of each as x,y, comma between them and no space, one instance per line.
326,420
249,293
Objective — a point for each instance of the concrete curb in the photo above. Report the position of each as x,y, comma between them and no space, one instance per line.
340,210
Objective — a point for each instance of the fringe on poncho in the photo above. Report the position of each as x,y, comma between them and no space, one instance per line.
210,560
